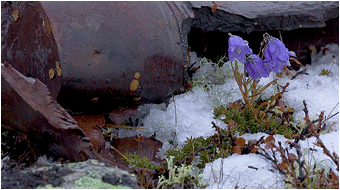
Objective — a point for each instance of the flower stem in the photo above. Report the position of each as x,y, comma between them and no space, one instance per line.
250,91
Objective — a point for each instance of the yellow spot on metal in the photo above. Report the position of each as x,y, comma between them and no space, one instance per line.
94,100
136,99
313,49
15,14
51,73
134,85
47,25
137,75
58,71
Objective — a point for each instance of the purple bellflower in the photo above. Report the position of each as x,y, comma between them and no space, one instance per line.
277,55
256,67
238,49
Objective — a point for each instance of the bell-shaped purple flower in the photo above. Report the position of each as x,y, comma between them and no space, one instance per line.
238,49
256,67
277,55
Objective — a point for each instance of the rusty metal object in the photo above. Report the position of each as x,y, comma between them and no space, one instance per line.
102,45
28,44
94,49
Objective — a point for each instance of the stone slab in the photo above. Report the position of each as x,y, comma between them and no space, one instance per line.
245,16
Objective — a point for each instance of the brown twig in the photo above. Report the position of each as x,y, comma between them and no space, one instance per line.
305,109
27,152
334,157
300,72
218,129
296,61
288,166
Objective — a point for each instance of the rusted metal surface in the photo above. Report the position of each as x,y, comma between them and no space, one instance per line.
102,45
28,44
88,53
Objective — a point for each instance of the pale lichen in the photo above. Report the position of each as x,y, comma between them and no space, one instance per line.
176,174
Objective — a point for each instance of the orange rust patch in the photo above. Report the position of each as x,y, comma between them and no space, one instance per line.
94,100
91,125
136,99
214,8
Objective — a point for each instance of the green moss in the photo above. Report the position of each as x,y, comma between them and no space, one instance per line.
245,122
140,162
184,156
208,155
325,72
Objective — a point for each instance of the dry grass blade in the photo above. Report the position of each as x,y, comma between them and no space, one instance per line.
265,87
126,158
296,61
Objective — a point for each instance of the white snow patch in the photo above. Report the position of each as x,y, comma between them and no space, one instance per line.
190,115
249,171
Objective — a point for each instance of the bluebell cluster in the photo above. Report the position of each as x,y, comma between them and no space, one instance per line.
276,55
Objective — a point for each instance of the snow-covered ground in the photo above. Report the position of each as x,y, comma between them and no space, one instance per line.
190,115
